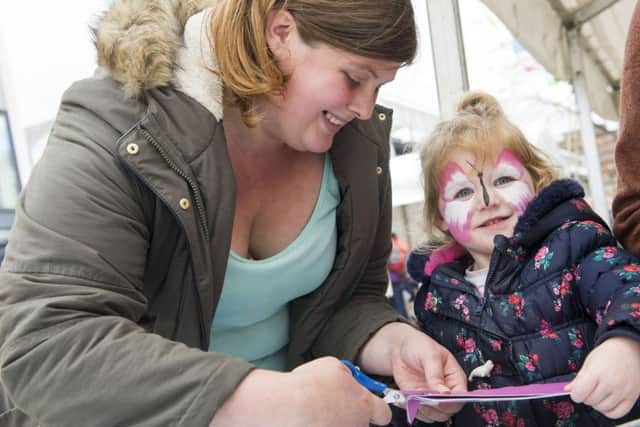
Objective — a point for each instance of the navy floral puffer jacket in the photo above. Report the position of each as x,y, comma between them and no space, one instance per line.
554,291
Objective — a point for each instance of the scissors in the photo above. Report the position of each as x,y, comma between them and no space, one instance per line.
389,395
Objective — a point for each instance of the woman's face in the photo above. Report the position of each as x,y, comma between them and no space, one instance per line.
479,200
327,89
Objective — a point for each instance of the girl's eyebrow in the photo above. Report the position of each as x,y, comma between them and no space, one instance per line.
472,167
505,167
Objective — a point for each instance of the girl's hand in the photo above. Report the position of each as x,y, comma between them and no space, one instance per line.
416,362
609,380
321,393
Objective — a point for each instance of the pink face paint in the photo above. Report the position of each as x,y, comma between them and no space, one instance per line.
518,193
456,213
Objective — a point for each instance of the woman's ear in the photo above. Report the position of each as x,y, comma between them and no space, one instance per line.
280,27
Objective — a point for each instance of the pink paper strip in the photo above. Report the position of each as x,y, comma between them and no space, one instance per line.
532,391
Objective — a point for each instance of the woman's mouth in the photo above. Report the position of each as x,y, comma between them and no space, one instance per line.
333,123
333,119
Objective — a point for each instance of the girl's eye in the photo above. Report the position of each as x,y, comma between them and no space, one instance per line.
464,193
503,180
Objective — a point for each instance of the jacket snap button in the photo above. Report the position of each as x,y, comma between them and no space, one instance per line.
133,148
379,170
382,117
185,204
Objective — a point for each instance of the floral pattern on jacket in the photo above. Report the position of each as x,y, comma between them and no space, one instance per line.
554,291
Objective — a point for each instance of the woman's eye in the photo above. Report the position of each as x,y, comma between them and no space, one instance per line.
351,81
503,180
464,193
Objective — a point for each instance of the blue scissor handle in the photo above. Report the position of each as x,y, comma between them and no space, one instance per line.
368,382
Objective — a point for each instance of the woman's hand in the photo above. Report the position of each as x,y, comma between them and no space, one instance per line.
416,362
321,393
609,380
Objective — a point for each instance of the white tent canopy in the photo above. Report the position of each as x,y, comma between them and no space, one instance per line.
542,27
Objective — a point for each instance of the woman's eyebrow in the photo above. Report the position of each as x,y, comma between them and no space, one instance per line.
366,68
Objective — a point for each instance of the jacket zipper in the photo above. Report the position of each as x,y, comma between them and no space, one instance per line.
176,169
199,206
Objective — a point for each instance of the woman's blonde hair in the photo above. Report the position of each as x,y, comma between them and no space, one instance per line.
379,29
480,126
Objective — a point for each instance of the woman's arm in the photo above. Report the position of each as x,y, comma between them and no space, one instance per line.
71,293
416,362
626,204
321,393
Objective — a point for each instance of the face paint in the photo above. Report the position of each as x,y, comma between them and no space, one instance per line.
485,193
456,213
518,193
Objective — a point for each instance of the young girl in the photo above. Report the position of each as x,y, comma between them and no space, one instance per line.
522,281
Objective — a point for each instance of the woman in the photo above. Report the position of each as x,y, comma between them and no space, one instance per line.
186,237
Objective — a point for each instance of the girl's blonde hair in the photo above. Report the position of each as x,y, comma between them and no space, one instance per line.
480,126
379,29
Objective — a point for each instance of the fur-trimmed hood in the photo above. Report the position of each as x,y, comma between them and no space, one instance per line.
137,41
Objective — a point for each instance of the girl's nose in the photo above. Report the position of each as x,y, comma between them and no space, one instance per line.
486,196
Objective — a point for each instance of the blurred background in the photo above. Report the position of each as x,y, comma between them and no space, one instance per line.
553,64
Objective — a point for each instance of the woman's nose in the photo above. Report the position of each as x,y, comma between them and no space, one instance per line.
362,104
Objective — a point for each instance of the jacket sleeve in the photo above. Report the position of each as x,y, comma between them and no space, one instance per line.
608,279
415,266
72,350
626,204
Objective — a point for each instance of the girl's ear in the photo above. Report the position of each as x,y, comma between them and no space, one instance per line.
280,27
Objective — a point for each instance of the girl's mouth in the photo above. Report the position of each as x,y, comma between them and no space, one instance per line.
494,221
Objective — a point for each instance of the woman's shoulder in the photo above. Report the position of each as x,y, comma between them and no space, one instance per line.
98,108
106,113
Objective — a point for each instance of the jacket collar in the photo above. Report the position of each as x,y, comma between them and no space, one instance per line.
556,204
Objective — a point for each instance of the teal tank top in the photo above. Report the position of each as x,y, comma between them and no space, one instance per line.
252,318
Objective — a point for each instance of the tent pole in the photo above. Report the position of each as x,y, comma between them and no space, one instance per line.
449,61
587,131
591,10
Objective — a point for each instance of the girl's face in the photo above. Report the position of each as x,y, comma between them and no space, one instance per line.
327,89
478,201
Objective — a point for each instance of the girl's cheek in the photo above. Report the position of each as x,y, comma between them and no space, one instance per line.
457,215
518,195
